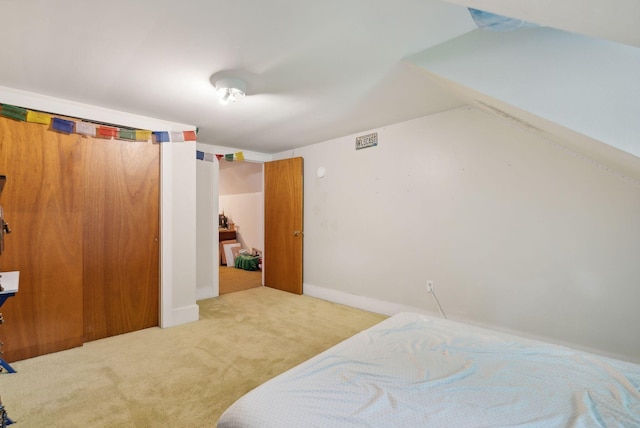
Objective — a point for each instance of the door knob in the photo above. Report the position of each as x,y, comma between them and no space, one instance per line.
297,233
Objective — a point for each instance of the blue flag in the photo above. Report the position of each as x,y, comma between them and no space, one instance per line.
161,136
61,125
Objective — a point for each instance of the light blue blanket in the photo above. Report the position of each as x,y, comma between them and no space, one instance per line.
414,371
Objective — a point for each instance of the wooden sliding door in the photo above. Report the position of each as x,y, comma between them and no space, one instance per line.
85,238
43,206
121,237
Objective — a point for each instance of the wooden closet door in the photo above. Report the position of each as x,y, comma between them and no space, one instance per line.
43,206
121,237
84,214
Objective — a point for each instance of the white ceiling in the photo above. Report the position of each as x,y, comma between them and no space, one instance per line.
315,70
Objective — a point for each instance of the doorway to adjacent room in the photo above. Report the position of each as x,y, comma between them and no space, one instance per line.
271,217
241,223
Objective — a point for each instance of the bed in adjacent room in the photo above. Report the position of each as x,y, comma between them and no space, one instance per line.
415,371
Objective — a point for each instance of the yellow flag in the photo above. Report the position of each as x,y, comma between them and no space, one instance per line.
38,117
240,156
142,135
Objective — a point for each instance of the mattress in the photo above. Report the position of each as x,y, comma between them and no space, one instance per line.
411,370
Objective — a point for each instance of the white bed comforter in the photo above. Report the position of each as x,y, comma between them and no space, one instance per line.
414,371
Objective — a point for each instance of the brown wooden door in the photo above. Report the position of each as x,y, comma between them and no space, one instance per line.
44,209
84,219
121,237
283,237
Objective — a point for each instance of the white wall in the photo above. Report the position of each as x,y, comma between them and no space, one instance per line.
178,234
517,233
246,211
206,227
240,177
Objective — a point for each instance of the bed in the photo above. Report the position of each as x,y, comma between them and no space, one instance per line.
412,370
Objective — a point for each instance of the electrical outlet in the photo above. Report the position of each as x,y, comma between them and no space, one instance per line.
430,286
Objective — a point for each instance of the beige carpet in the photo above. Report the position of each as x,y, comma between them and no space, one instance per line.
232,279
182,376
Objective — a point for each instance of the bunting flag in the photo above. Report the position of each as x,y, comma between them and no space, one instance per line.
38,117
84,128
88,128
127,134
238,156
61,125
13,112
106,131
177,136
208,157
190,136
161,136
142,135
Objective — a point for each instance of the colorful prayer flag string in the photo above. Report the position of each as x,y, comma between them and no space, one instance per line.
230,157
88,128
207,157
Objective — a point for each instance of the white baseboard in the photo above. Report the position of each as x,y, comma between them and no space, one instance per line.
184,315
361,302
204,293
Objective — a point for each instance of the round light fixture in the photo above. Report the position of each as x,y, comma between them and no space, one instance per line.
230,90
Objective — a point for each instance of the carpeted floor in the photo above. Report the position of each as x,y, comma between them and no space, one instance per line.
232,279
182,376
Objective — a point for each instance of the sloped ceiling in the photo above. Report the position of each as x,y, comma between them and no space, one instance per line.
579,90
320,70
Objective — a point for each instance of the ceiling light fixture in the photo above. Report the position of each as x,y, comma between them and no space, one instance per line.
230,90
